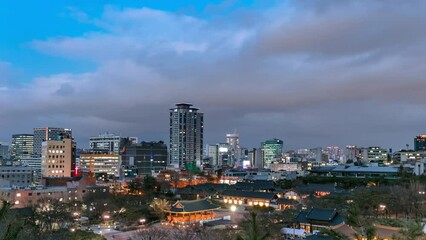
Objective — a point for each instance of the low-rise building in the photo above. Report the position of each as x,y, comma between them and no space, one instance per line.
356,171
318,218
249,198
286,203
374,155
16,176
73,190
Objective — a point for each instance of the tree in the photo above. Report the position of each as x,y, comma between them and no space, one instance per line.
135,187
149,183
51,214
370,232
411,232
354,216
252,231
333,234
97,203
159,206
151,234
185,234
8,229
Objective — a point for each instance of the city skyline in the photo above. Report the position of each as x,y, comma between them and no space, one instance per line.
254,67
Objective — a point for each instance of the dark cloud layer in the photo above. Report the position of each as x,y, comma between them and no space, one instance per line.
313,73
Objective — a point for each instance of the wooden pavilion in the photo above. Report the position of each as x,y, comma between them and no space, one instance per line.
190,212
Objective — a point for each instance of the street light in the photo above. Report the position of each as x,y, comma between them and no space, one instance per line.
233,209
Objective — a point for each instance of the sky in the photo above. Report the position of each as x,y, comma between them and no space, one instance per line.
313,73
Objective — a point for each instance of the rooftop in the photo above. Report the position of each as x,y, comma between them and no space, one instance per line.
248,194
330,217
193,206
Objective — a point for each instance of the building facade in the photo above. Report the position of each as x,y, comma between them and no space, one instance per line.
46,134
420,143
16,176
100,163
70,191
186,136
233,140
271,151
351,153
4,151
220,154
34,163
255,157
147,158
22,146
58,158
374,155
111,142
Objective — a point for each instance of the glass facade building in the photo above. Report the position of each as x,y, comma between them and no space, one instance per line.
47,134
271,150
146,158
22,146
420,143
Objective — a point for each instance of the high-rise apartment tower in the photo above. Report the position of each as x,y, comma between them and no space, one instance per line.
186,136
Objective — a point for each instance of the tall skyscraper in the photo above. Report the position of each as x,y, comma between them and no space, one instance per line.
420,143
233,140
22,146
271,151
46,134
58,157
186,136
110,142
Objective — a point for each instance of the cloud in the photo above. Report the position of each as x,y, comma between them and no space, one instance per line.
310,72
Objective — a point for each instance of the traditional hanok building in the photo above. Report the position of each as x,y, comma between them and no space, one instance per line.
285,203
248,198
317,190
318,218
254,185
206,190
191,212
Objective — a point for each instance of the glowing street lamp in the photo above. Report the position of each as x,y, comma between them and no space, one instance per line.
233,208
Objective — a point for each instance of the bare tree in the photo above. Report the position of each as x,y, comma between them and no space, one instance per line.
151,234
185,234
